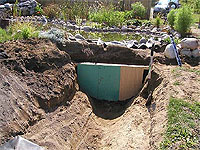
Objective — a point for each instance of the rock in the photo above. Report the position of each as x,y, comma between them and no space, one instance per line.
8,6
86,28
130,30
79,37
124,29
3,55
165,37
27,7
105,30
99,30
189,43
154,30
93,29
196,53
114,43
112,29
143,40
149,44
137,29
186,52
99,42
2,7
70,26
169,51
142,46
116,29
148,31
132,44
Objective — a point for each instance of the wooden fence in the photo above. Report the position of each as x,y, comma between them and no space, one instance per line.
127,3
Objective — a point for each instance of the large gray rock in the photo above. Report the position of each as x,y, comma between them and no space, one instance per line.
143,40
79,37
8,6
86,28
189,43
169,51
196,53
124,29
2,7
132,44
186,52
143,46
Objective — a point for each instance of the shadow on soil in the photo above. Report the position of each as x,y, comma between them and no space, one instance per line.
111,110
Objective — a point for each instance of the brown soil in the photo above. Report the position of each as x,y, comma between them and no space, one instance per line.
37,87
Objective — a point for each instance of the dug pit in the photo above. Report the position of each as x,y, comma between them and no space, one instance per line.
41,100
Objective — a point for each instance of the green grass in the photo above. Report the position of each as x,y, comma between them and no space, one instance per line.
18,31
177,70
176,83
183,126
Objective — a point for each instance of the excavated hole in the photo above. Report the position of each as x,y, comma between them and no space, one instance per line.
114,109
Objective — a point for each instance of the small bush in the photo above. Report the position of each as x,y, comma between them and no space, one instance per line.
158,21
22,30
4,36
109,17
183,20
18,31
38,10
52,11
75,9
171,17
138,10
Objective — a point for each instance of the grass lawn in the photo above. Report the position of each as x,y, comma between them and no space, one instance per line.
183,128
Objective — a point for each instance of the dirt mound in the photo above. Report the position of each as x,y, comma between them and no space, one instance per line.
116,54
45,69
35,75
82,51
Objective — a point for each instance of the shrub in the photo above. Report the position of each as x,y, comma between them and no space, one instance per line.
138,10
38,10
22,30
171,17
52,11
183,20
75,9
109,17
4,36
128,15
18,31
158,21
193,4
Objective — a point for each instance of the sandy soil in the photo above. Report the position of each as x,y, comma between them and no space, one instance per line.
68,121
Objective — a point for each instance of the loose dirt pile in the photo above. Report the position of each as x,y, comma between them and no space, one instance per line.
36,77
39,100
